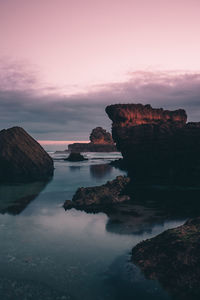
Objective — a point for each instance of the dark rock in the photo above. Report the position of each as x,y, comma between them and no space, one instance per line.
101,136
22,158
173,258
91,147
75,156
100,197
156,144
100,141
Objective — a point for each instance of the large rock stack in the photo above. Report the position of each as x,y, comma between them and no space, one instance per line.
156,143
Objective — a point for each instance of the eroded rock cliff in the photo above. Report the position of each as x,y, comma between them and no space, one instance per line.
156,143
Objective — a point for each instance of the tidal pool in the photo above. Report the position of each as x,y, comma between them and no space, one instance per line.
48,253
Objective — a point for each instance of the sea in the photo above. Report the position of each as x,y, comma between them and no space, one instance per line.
47,253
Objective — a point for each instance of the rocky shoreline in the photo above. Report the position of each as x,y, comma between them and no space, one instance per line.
173,259
100,198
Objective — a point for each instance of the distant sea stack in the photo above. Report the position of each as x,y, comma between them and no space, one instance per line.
100,141
22,158
156,143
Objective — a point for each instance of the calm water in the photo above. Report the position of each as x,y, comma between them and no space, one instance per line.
49,254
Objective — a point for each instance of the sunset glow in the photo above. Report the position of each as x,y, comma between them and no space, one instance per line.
76,44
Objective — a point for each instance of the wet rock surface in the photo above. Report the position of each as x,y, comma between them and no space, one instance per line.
173,258
100,197
22,158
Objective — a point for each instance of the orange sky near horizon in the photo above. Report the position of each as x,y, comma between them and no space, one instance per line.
49,142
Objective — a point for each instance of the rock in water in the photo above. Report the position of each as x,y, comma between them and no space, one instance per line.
100,197
100,141
101,136
156,143
173,258
75,156
22,158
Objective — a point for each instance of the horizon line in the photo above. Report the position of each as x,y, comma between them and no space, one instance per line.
61,142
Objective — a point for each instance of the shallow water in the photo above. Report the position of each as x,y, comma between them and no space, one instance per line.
48,253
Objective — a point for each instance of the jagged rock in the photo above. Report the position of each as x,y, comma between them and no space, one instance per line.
22,158
101,136
100,141
173,258
126,115
75,156
100,197
156,144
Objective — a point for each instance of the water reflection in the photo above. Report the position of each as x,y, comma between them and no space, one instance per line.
14,198
100,170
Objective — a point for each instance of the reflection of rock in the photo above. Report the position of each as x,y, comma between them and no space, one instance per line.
75,156
22,158
100,171
15,198
156,144
173,258
100,141
153,206
99,197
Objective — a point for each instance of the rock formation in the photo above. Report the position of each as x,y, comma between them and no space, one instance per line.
22,158
101,136
173,258
100,197
75,156
100,141
156,143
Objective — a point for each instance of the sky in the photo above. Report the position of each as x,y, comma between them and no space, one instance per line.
62,62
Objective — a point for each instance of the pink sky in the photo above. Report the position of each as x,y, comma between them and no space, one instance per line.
77,43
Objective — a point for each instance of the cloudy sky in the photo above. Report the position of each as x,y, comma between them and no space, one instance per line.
62,62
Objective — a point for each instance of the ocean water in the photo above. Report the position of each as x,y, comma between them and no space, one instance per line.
47,253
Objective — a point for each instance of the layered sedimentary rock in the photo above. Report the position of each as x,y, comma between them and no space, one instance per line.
22,158
173,258
100,197
156,143
100,141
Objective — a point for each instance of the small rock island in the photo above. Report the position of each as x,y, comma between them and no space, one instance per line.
100,141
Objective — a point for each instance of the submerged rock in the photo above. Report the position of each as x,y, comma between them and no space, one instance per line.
157,145
100,141
100,197
75,156
22,158
173,258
